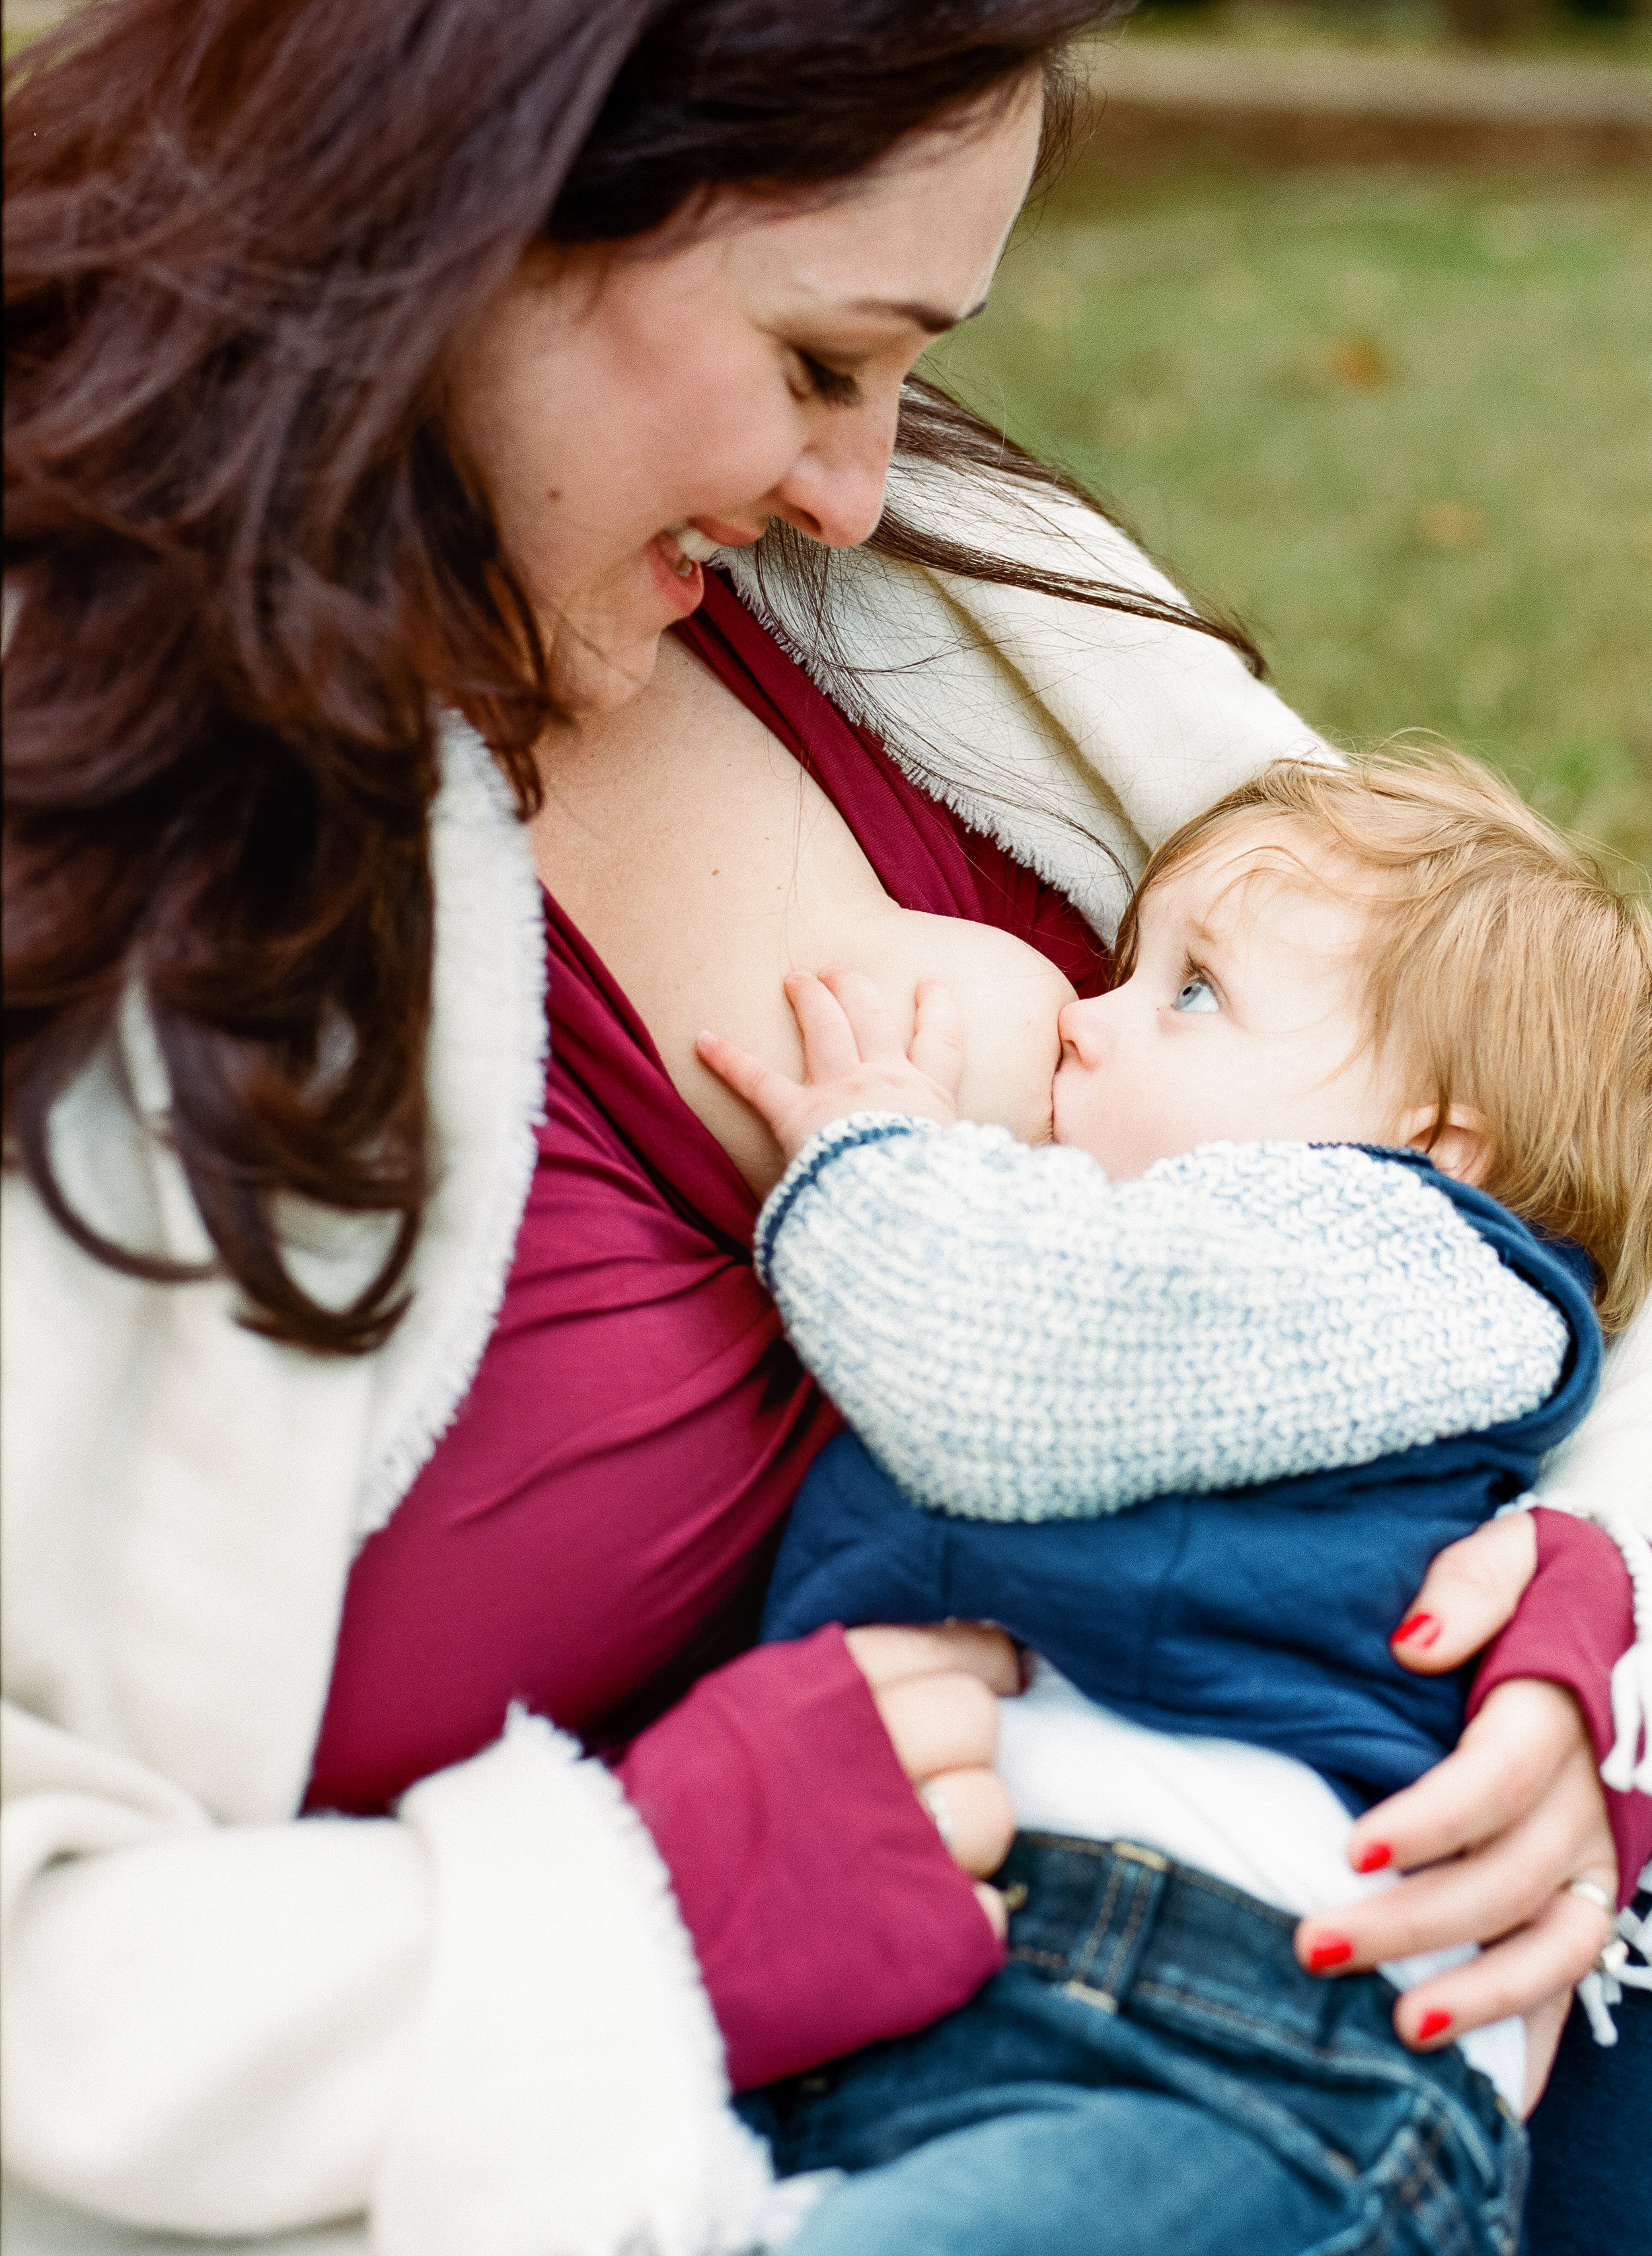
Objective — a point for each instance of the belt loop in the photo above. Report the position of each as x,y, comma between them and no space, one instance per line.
1103,1962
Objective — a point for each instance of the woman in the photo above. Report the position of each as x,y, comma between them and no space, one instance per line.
372,367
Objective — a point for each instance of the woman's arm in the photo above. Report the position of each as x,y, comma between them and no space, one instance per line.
457,2019
453,2018
825,1911
1519,1809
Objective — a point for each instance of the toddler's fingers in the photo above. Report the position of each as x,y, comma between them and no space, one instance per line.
946,1722
938,1036
886,1653
769,1093
877,1030
972,1811
830,1051
1467,1595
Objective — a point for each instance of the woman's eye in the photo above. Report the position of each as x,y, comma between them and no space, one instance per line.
1196,994
828,384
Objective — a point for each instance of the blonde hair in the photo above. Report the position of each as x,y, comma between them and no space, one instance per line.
1513,976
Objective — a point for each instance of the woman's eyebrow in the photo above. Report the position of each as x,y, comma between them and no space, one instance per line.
929,318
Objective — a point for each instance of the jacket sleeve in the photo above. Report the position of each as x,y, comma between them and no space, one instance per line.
1015,1338
481,2022
1603,1473
825,1910
1573,1626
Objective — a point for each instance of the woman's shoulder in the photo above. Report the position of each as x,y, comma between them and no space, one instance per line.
1077,733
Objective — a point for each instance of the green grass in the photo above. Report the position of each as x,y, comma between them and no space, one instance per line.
1599,31
1400,421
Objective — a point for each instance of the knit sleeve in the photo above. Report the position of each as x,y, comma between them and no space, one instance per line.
1016,1337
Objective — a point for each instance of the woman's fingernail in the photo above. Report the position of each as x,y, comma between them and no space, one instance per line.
1410,1630
1432,2025
1373,1858
1329,1950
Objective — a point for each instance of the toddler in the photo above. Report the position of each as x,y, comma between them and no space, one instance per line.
1344,1166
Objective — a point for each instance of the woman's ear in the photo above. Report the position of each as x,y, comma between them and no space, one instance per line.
1461,1147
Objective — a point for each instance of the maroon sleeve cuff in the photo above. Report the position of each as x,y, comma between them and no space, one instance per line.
1575,1620
824,1908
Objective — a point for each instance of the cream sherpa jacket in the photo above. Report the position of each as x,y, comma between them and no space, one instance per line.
476,2027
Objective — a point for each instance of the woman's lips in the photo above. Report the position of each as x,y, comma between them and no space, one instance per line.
679,551
678,577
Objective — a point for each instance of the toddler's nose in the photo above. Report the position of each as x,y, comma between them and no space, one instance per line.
1080,1024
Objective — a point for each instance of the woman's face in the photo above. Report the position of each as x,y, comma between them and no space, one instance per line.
612,395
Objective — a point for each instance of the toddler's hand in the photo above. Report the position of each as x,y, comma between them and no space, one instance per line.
853,1060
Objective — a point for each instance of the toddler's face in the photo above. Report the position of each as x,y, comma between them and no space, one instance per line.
1241,1019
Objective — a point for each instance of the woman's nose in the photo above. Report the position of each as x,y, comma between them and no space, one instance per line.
834,490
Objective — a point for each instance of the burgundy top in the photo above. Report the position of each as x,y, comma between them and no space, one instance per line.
594,1532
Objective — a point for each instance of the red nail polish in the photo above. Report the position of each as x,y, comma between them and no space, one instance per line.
1373,1856
1329,1950
1412,1628
1432,2025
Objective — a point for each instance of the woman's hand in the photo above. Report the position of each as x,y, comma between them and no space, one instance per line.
854,1060
1490,1837
937,1691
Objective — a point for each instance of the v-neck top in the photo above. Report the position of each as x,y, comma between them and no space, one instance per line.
595,1528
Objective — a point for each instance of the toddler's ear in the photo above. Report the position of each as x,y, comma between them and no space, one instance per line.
1461,1147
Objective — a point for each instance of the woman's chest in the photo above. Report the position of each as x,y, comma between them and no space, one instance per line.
703,864
697,857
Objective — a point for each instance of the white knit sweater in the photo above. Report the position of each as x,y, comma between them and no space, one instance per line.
478,2023
1015,1338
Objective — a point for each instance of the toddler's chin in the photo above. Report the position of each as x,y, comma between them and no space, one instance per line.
1071,1125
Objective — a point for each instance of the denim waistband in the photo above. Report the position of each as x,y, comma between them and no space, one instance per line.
1100,1916
1124,1928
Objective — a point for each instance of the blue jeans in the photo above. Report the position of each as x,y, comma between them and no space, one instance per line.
1152,2075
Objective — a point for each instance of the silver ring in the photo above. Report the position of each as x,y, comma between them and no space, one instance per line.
1594,1892
940,1809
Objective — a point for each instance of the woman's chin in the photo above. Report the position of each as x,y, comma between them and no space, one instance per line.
588,679
604,662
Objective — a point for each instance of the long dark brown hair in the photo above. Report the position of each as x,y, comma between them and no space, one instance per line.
242,237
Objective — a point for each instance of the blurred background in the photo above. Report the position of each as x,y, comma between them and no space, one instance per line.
1346,307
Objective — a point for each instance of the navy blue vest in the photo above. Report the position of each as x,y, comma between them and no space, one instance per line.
1260,1614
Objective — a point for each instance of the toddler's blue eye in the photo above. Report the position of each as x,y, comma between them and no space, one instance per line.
1196,994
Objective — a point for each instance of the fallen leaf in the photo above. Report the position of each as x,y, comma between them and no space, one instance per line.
1450,524
1358,362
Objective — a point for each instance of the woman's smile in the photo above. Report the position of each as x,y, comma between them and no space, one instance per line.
677,554
705,385
677,575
